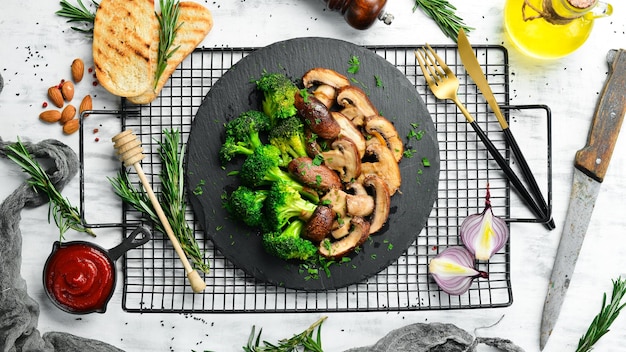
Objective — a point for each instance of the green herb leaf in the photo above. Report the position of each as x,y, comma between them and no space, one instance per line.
602,322
168,27
355,64
309,340
65,215
79,13
379,81
443,13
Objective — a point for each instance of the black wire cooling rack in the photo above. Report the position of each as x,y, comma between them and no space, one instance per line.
154,280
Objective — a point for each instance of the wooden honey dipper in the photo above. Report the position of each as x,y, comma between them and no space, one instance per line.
130,152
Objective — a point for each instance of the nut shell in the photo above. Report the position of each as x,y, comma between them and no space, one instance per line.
56,97
67,90
78,70
85,104
67,114
50,116
71,126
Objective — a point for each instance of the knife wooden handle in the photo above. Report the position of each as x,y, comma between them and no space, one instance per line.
594,158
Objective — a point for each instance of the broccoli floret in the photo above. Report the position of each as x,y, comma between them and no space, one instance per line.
288,244
262,168
242,134
283,204
288,136
278,95
232,148
247,205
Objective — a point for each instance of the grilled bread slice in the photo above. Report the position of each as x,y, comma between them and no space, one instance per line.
195,22
125,44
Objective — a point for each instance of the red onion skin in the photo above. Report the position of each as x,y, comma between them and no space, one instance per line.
484,242
455,283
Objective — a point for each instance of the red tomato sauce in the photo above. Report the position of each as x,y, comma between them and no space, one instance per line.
80,277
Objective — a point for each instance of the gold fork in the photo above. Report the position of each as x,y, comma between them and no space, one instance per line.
444,85
440,78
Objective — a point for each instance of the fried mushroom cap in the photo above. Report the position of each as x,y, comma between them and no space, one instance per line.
359,232
343,158
383,166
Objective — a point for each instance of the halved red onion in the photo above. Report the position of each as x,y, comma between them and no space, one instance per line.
453,270
484,234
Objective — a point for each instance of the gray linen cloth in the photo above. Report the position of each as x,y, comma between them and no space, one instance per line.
434,337
19,313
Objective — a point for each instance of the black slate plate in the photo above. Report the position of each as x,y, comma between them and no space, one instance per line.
235,93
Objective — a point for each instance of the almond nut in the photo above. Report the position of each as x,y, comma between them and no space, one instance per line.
85,104
50,116
78,69
67,90
71,126
67,114
54,93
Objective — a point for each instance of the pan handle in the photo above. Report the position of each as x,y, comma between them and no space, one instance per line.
134,240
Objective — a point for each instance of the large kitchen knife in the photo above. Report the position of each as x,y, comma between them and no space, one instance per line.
472,66
590,166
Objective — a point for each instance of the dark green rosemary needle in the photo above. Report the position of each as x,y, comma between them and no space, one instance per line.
443,13
78,13
64,214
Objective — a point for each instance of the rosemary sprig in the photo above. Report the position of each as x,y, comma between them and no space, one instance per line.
601,323
78,13
443,13
65,215
172,197
168,26
303,340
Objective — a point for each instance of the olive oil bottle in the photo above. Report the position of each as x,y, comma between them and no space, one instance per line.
550,29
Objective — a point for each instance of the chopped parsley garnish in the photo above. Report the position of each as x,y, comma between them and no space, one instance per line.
408,153
418,135
379,81
198,190
318,160
355,64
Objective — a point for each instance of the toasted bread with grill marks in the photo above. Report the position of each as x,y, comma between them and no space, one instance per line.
125,44
195,22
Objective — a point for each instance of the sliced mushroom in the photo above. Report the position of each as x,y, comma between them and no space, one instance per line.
327,81
359,231
343,158
326,94
313,148
380,125
309,173
325,76
320,224
316,116
341,228
360,203
384,166
356,105
349,130
336,200
382,201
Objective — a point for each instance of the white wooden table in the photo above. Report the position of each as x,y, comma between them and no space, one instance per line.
38,46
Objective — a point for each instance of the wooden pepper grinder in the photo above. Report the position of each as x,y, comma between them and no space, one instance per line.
361,14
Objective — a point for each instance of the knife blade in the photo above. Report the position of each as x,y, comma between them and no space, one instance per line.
472,66
590,166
